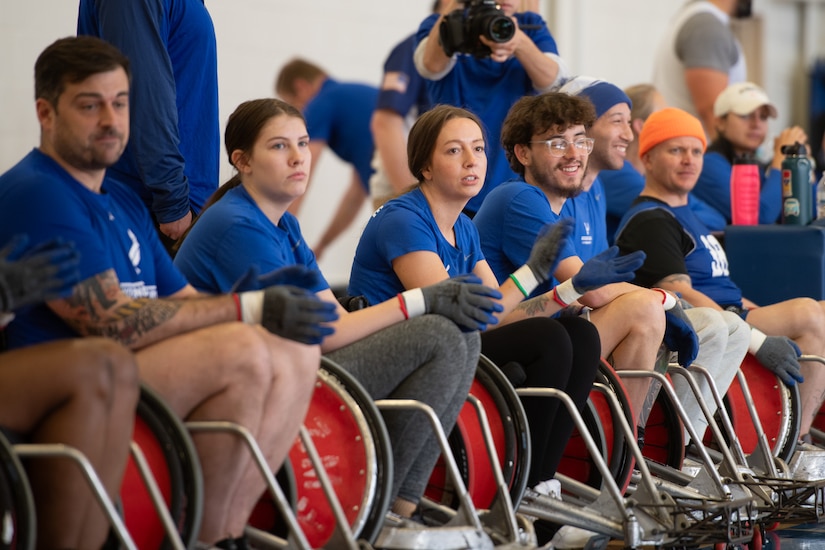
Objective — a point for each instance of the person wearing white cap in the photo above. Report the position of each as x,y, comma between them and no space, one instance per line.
741,120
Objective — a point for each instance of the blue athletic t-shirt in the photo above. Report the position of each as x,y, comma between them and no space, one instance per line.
508,225
233,235
340,115
406,224
112,230
589,209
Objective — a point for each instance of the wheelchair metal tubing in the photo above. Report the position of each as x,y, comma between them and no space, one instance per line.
728,458
156,496
296,533
502,505
64,451
469,514
590,444
763,449
724,491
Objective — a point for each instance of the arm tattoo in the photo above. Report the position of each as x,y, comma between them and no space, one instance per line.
97,308
535,306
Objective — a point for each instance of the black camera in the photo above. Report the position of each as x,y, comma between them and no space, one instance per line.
460,30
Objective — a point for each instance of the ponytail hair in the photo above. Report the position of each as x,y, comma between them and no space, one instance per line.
242,131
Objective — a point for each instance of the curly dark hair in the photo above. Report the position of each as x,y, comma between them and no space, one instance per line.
533,115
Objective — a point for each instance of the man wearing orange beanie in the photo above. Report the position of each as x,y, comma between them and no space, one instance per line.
683,256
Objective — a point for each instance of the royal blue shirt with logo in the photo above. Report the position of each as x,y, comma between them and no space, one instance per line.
111,229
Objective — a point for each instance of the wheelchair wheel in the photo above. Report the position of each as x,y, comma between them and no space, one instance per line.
171,455
598,417
18,527
511,437
777,405
349,434
664,434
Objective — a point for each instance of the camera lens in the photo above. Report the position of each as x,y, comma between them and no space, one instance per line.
501,29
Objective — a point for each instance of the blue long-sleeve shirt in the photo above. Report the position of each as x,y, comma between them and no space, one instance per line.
171,159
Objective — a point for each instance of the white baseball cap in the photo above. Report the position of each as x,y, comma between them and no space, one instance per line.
742,99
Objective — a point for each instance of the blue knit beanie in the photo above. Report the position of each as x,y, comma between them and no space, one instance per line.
603,95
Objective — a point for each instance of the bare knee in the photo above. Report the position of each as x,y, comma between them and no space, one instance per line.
247,360
643,313
810,316
102,368
291,360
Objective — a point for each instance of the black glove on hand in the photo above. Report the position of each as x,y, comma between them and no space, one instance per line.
464,300
544,257
680,336
297,314
293,275
45,272
606,268
780,355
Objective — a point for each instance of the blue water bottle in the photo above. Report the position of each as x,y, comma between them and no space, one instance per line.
797,200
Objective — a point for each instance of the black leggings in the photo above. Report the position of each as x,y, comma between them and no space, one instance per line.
554,353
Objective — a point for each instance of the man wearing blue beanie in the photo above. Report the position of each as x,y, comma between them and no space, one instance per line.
612,134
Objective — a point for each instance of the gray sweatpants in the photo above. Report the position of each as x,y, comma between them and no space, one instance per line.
428,359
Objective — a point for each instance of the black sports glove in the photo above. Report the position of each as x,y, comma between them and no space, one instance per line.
47,271
464,300
297,314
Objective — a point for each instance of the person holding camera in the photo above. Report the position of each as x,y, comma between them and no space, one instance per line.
484,56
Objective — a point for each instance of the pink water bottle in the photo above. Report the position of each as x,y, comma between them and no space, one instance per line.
744,192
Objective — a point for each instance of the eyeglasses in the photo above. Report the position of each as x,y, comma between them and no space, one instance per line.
558,146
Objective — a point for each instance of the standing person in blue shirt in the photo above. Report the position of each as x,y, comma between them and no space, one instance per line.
526,64
621,187
427,357
208,357
741,122
171,160
338,116
422,237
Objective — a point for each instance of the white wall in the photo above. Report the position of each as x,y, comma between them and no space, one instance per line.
611,39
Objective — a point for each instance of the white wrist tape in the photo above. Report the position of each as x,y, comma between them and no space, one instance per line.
414,299
566,293
757,339
526,279
252,306
668,300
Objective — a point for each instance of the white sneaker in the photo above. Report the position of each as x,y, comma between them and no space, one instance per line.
549,488
569,537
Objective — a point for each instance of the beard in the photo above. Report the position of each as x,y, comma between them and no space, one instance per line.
88,155
549,181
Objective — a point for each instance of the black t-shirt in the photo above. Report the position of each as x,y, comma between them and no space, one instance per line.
660,235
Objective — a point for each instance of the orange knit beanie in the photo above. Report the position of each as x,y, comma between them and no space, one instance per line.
667,124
